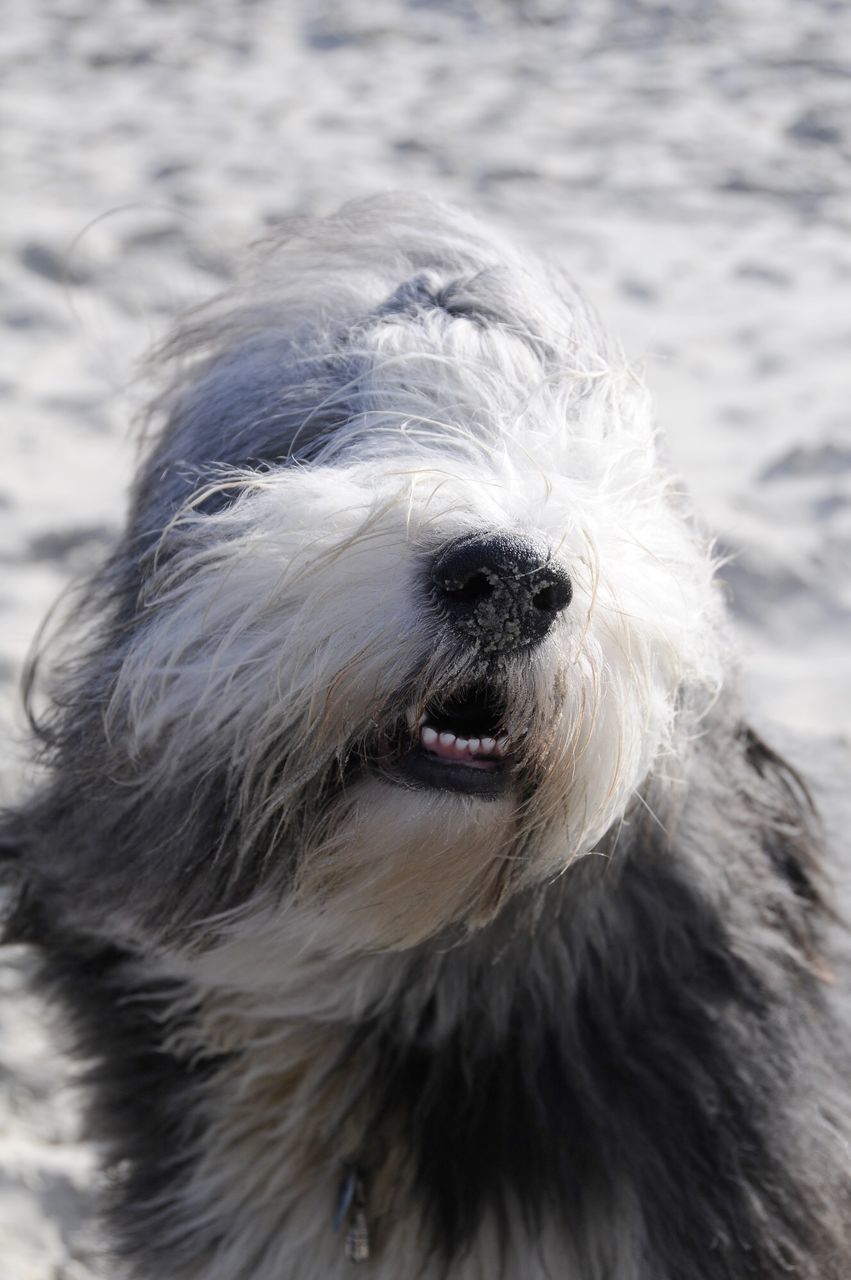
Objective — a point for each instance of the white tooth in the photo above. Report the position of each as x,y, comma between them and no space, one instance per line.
447,739
474,744
488,746
429,736
501,746
462,743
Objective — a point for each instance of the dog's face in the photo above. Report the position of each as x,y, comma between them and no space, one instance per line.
434,621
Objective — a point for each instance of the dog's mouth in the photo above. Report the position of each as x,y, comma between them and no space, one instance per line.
457,744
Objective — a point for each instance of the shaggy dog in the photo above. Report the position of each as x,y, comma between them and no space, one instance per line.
417,893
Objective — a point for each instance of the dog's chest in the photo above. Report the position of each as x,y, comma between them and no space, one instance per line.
328,1151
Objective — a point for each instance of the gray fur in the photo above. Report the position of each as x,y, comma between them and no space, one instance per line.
589,1029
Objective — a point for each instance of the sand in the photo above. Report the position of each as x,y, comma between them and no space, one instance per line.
688,162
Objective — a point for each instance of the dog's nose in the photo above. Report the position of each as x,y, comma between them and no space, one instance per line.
502,590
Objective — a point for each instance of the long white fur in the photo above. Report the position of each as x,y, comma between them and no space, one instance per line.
294,616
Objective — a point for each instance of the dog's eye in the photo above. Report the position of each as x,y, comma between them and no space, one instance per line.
217,499
215,490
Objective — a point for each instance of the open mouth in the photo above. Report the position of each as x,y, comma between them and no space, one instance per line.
459,744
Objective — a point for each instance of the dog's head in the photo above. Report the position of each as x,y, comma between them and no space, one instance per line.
406,597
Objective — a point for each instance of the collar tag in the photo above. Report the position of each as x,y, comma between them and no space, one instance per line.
351,1205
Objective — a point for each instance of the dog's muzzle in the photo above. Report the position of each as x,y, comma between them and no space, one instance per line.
501,591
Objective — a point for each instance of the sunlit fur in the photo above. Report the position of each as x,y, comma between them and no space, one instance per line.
221,835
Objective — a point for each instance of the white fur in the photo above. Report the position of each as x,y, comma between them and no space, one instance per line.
294,616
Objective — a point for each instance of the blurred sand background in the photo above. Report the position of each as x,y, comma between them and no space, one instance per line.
689,161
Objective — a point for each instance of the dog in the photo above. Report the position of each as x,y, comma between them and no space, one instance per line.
419,898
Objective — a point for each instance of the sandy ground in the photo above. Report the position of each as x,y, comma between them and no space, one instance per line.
689,162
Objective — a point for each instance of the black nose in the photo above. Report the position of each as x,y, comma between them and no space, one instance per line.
502,590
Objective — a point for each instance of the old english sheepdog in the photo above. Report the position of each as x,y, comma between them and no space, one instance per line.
418,896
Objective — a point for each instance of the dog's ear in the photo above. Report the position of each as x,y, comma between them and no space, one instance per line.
11,848
791,838
788,811
18,910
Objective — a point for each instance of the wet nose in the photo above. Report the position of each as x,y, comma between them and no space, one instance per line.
502,590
